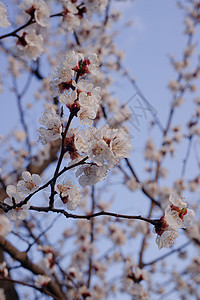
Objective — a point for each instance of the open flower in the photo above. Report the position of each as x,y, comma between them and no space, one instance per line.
29,184
30,44
37,9
42,280
69,194
167,238
54,127
177,215
91,174
16,197
3,269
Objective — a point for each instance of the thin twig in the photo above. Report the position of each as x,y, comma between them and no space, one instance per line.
91,237
166,255
94,215
42,290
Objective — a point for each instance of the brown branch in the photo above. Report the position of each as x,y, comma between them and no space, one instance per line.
172,109
22,257
42,290
7,208
13,33
62,152
166,255
19,105
91,237
186,156
107,13
138,181
94,215
30,22
140,264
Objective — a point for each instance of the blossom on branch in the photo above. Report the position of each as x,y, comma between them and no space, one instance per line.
167,238
177,215
83,102
16,197
54,127
74,65
3,269
69,194
104,144
89,175
30,44
38,10
29,184
71,18
42,281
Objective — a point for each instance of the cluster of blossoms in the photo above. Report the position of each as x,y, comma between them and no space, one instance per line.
72,15
133,276
177,215
81,98
74,65
30,43
85,99
104,146
28,185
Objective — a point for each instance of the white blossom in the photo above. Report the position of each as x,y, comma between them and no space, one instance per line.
72,59
54,128
96,5
93,65
30,44
89,175
68,98
3,269
167,238
177,214
121,115
71,21
39,9
5,227
117,235
69,193
89,105
104,144
42,280
61,79
21,212
29,184
4,22
132,184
